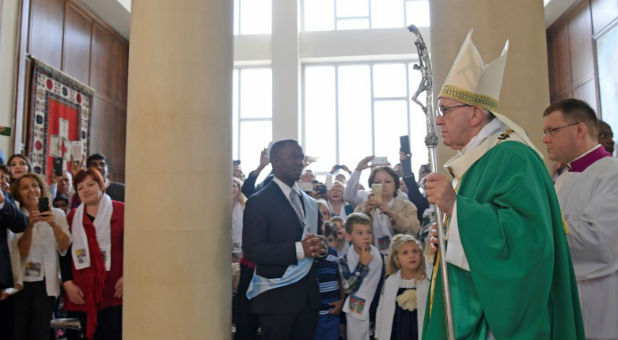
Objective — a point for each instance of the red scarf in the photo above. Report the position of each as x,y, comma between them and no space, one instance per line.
92,279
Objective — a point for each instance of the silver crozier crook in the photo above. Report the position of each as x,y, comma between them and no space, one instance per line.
431,141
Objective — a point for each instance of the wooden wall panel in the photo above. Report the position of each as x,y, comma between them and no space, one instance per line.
118,138
46,31
100,62
559,61
563,60
581,50
77,33
119,80
66,35
571,49
108,134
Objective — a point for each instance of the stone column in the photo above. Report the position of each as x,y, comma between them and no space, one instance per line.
177,243
286,70
525,87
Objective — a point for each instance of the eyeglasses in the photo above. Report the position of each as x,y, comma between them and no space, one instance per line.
553,131
442,110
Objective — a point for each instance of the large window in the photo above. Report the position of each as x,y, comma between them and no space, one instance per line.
252,17
352,110
252,114
328,15
607,45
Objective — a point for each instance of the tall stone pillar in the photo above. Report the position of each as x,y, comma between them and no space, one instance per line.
177,278
525,87
286,69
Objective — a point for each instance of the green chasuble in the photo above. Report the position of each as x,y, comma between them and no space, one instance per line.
521,283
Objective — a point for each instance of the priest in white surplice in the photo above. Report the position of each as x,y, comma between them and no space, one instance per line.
588,195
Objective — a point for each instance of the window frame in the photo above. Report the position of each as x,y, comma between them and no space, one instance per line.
407,63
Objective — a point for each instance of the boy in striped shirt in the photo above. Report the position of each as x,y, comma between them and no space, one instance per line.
331,294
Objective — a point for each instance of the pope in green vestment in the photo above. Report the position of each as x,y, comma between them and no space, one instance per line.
521,283
508,262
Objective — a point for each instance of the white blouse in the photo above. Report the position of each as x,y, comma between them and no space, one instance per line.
43,261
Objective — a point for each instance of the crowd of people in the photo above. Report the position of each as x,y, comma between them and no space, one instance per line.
528,257
334,260
61,250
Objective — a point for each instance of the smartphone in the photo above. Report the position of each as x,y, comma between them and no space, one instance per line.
11,291
376,190
380,161
270,145
58,166
43,204
404,145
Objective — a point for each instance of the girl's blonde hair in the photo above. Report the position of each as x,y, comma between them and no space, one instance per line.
392,265
240,197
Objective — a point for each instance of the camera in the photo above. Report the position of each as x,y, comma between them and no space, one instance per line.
321,189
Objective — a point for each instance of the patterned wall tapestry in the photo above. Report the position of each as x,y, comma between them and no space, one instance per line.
59,118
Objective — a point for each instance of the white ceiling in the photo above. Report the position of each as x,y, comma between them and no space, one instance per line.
116,13
111,12
554,9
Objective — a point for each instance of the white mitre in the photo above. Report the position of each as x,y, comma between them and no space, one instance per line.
471,81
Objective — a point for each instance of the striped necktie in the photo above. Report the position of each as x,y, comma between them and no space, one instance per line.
295,200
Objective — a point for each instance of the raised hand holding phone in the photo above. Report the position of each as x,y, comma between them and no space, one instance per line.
43,204
376,190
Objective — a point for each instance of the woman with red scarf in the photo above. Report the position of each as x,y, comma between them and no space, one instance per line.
92,269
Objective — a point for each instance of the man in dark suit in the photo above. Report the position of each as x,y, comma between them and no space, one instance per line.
280,237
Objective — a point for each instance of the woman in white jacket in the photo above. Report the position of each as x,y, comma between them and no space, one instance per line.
402,305
46,236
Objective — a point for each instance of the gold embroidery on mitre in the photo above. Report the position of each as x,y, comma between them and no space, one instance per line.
469,97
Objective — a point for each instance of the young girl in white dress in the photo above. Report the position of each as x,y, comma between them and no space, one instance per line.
402,305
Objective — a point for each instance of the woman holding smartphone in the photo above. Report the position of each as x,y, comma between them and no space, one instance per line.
92,269
46,237
390,216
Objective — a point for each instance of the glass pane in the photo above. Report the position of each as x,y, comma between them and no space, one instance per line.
352,8
235,114
352,24
607,55
391,121
255,16
319,15
256,93
389,80
386,13
417,13
236,14
319,120
255,136
418,124
354,114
